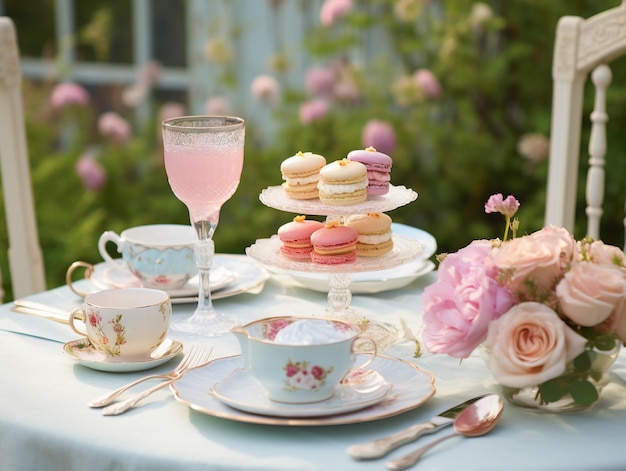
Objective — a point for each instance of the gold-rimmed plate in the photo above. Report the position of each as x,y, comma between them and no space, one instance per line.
412,386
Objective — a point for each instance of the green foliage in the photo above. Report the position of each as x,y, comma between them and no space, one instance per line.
455,150
579,381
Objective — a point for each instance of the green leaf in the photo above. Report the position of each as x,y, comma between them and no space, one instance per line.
551,391
582,362
583,392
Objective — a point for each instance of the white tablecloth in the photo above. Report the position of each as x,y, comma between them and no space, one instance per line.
46,425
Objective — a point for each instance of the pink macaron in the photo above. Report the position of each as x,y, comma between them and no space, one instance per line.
334,244
295,237
378,167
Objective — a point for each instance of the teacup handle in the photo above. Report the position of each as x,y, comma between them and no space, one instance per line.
80,314
89,269
354,374
109,236
366,339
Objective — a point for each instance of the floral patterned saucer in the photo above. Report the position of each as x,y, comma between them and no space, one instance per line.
363,388
107,275
84,353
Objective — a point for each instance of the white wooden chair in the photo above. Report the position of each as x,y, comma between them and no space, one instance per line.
582,47
25,258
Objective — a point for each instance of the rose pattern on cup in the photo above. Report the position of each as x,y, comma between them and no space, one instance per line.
271,329
300,376
112,348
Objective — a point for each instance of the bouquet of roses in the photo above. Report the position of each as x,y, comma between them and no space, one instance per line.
541,305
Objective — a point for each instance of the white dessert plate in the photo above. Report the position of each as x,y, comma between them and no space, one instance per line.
232,275
241,391
379,280
107,275
84,353
412,386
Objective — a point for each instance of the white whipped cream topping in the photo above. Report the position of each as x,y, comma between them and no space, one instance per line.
305,332
332,189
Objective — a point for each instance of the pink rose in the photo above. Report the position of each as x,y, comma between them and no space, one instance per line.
532,265
530,345
114,127
332,10
599,252
320,81
428,83
91,172
265,88
68,93
379,135
616,323
459,306
589,293
313,110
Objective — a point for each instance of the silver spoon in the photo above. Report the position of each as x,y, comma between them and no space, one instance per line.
476,420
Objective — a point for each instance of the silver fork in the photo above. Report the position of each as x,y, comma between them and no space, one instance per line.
187,360
200,359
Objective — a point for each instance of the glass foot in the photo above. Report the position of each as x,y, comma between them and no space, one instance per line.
208,324
383,333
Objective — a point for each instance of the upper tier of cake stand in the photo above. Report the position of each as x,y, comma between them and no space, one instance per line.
275,197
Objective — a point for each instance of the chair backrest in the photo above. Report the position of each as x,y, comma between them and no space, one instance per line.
582,47
25,258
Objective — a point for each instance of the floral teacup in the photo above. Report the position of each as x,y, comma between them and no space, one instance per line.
299,359
125,324
160,255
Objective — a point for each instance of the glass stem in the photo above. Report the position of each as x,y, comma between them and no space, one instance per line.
204,251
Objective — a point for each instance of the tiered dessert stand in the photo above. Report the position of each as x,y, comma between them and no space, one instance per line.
267,251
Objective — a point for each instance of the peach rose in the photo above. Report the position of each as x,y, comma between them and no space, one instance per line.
530,345
589,293
599,252
531,265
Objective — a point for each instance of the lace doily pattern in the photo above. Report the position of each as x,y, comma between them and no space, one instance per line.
275,197
267,251
199,132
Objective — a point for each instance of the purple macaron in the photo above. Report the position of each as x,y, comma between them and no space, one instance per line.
378,169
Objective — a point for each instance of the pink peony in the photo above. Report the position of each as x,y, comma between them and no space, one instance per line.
68,93
380,135
217,106
114,127
459,306
320,81
265,88
428,83
171,110
313,110
91,173
332,10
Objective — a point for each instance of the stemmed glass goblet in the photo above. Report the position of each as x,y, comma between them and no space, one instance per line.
203,162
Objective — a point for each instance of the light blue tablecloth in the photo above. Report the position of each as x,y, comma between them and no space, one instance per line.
45,424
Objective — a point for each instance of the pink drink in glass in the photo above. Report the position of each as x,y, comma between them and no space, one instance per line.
203,179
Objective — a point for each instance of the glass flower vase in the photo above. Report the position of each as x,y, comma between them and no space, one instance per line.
577,389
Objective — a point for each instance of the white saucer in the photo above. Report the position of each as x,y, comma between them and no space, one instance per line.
84,353
379,280
107,275
241,391
412,386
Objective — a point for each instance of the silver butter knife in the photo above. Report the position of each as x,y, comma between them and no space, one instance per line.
382,446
